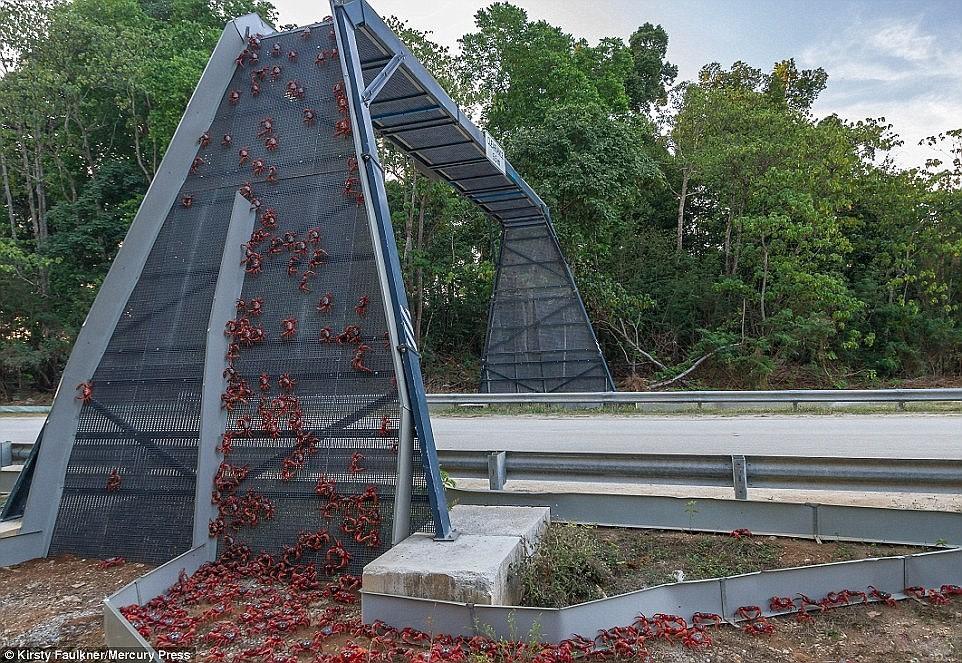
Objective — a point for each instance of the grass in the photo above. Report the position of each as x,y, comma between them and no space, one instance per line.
578,563
692,410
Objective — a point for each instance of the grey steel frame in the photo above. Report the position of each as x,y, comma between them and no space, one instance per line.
533,210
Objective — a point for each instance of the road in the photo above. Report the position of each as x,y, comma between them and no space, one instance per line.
884,435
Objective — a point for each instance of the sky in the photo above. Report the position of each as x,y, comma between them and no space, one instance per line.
897,59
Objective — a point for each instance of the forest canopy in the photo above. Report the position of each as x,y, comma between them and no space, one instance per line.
721,234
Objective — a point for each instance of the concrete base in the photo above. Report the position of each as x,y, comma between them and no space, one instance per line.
474,568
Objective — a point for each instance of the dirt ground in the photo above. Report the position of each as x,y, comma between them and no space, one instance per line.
46,602
909,632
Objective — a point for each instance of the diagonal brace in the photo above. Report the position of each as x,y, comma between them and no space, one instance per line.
372,90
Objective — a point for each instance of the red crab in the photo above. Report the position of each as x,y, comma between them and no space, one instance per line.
257,166
271,143
310,115
286,382
327,335
187,201
254,262
269,218
342,127
272,174
204,139
227,140
267,127
86,390
362,304
111,562
357,363
325,303
234,97
356,461
304,285
292,266
288,328
318,258
295,90
113,481
244,155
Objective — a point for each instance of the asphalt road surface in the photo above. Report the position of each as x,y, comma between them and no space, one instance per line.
885,435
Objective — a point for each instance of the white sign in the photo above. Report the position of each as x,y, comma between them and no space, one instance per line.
494,152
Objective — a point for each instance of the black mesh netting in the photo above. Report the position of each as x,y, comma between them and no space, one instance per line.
539,338
144,418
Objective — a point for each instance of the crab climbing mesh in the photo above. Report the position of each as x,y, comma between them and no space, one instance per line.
327,359
312,442
539,336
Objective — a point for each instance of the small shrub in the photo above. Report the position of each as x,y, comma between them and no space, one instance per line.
569,566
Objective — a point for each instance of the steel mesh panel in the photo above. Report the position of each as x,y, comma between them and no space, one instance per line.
145,413
539,338
349,411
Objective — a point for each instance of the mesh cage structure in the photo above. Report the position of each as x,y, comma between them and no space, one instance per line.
312,403
539,337
320,388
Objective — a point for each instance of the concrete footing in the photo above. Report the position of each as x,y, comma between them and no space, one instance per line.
474,568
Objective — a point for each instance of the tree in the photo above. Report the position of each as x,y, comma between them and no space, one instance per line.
652,74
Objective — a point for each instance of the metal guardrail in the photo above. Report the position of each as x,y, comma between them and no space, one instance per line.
790,396
738,472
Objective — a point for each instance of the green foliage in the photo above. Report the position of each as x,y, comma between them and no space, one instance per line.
569,565
92,94
720,234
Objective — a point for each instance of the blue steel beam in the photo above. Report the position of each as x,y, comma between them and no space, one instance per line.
376,195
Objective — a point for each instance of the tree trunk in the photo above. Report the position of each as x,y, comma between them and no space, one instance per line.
41,216
420,275
30,194
728,242
136,133
764,275
41,195
682,197
409,226
8,196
